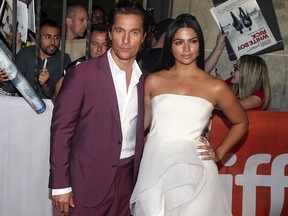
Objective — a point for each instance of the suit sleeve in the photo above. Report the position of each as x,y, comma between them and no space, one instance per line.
66,113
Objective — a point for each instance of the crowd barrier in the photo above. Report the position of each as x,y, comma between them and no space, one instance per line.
255,172
24,158
255,176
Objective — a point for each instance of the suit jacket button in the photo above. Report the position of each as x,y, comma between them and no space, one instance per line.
119,142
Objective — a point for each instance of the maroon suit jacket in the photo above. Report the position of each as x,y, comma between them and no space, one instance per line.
86,132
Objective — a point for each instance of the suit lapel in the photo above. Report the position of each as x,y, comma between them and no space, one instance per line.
106,80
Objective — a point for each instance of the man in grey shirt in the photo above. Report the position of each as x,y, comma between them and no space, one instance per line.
44,80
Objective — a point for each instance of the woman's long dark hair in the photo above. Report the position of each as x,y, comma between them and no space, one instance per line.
183,20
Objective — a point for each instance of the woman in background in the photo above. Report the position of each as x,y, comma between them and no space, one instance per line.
250,82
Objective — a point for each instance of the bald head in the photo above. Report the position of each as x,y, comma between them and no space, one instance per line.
76,22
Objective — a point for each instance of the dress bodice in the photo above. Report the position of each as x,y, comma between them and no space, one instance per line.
179,116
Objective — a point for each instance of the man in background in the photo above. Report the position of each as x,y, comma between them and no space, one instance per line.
151,59
49,62
98,15
99,44
76,22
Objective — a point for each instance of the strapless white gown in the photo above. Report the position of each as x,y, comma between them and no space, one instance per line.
173,180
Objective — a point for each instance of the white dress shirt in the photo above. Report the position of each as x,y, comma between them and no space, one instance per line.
127,104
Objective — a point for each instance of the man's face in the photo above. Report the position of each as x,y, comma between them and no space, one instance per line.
98,44
78,24
127,35
97,16
49,41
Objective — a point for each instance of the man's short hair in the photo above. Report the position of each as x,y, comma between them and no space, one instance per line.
71,10
99,27
50,23
128,7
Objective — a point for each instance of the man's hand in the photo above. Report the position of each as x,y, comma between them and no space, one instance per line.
44,77
3,77
62,202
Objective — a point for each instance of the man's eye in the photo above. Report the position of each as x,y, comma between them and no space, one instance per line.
135,33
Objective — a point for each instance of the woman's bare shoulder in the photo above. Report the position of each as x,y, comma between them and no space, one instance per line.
215,83
157,76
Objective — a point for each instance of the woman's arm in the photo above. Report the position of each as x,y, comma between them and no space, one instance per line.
229,104
251,102
147,101
213,58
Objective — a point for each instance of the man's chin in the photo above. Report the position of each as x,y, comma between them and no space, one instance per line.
51,53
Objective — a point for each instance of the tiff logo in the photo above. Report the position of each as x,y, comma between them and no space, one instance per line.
249,180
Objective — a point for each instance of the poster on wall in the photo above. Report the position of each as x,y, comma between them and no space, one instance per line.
252,26
25,20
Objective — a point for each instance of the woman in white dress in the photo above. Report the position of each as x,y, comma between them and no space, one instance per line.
178,174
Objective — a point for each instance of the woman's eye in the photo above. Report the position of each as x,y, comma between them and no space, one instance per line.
194,41
178,42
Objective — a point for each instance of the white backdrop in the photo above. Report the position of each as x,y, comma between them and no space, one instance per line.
24,158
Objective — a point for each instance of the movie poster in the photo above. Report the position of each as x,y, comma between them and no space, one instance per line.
247,27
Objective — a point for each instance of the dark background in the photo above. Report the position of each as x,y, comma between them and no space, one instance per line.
53,8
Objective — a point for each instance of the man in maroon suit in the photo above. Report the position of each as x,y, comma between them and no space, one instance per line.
97,125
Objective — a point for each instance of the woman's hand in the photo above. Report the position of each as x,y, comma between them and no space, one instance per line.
205,151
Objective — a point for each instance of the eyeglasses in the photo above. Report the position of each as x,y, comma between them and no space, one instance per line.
236,67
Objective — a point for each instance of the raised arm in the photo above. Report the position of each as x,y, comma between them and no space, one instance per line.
213,58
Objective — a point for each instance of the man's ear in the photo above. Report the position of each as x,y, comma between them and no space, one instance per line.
109,34
68,21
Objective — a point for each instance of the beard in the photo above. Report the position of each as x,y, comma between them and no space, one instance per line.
50,50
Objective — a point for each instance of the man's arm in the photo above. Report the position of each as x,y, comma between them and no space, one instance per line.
64,122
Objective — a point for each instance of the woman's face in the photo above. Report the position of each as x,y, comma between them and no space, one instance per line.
185,46
235,73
